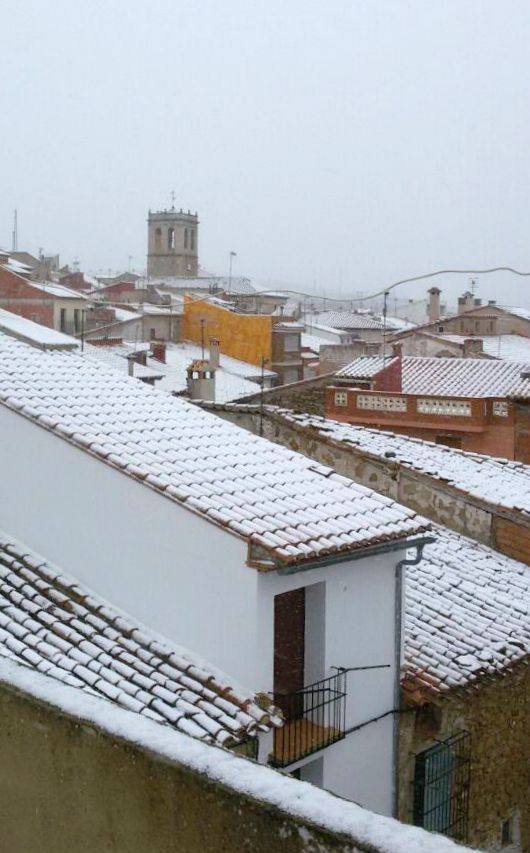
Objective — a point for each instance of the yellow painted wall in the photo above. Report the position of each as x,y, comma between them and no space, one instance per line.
247,337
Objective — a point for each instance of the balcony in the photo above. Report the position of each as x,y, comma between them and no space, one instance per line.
314,718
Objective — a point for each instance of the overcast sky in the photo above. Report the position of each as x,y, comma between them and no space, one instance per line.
336,146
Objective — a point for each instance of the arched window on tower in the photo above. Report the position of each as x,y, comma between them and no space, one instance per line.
192,235
171,238
185,238
158,238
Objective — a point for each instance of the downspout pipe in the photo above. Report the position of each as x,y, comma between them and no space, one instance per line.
398,634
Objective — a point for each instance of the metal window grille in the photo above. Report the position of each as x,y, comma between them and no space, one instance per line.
314,719
441,787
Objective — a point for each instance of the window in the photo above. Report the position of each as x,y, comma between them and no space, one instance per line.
507,832
63,319
440,328
152,334
171,238
185,238
77,321
158,238
441,787
341,398
192,236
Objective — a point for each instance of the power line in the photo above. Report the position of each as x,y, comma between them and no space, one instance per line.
384,289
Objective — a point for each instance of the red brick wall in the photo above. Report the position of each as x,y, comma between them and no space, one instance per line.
481,432
75,280
512,539
115,289
390,378
18,296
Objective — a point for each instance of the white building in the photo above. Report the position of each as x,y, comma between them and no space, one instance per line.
264,562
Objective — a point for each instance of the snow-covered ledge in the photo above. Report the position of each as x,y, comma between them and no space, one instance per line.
305,812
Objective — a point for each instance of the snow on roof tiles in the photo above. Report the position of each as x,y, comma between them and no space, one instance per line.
51,623
116,357
269,495
365,367
467,614
455,377
348,320
495,481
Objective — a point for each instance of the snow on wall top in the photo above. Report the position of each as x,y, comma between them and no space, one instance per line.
271,496
495,481
467,614
302,800
50,622
455,377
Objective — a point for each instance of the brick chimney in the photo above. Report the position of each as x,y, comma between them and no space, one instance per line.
214,353
201,380
158,348
433,310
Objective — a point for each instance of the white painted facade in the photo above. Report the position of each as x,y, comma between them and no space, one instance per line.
188,580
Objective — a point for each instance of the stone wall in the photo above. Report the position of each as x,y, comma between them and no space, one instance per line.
496,716
69,785
507,532
305,396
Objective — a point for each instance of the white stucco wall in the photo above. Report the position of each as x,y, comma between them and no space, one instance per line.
171,569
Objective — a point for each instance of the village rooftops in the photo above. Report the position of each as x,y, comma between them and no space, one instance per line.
34,333
453,377
51,623
467,615
291,508
499,482
59,291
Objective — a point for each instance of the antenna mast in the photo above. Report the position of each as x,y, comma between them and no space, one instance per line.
14,242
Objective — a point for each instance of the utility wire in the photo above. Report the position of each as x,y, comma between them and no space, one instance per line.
386,289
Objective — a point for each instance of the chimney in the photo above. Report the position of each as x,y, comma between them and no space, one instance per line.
465,302
473,346
201,381
158,348
214,353
130,364
434,304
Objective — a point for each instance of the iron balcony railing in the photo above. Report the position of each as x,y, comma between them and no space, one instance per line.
315,717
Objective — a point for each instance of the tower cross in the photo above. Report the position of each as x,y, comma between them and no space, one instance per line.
173,197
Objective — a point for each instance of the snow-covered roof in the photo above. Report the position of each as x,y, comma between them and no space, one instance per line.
271,496
52,623
347,320
123,315
365,367
455,377
500,482
33,333
230,377
467,614
116,357
238,285
397,324
506,347
58,290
